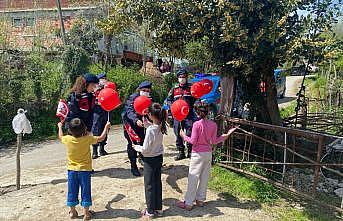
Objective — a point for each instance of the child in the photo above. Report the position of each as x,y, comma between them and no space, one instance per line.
81,100
152,151
79,164
204,134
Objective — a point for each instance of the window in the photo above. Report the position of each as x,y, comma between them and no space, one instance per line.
17,22
30,22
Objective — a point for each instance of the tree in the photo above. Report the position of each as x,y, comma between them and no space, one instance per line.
199,54
82,43
248,39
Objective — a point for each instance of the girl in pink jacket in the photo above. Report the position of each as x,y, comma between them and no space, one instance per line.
204,135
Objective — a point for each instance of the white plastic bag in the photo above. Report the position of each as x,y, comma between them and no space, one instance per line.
20,123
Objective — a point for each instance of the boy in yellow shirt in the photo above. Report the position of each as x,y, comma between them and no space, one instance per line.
79,163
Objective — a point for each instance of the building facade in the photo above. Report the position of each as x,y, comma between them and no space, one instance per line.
26,24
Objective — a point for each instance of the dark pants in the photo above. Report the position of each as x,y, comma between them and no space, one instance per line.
77,179
187,126
153,183
132,153
99,122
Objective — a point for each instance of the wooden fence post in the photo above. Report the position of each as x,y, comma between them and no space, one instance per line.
19,143
316,170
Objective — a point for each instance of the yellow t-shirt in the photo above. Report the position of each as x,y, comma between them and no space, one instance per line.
78,152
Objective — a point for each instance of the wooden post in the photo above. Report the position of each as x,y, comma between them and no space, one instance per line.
316,170
19,142
284,158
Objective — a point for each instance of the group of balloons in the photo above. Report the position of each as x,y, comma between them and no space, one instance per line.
179,109
108,99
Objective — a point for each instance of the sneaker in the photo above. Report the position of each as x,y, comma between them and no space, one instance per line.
135,171
183,205
158,213
180,156
103,153
146,215
95,155
200,203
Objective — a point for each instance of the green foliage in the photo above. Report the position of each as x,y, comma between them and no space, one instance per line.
82,44
289,110
242,187
199,54
76,62
32,82
246,39
84,34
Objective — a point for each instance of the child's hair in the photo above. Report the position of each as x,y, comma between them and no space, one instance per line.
201,109
77,128
156,110
80,85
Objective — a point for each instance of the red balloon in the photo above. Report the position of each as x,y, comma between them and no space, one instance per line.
108,99
111,85
207,85
141,105
197,90
180,109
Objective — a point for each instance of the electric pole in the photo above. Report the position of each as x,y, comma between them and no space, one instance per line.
58,3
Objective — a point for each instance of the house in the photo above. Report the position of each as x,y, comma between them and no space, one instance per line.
29,23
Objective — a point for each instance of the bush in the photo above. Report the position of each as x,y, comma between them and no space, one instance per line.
31,82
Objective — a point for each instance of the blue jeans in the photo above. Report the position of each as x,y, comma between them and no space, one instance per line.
77,179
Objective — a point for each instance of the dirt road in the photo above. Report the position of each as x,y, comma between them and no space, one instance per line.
117,195
293,84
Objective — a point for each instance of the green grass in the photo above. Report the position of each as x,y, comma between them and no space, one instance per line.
279,205
242,187
289,110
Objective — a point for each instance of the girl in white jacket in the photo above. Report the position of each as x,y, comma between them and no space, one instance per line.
152,151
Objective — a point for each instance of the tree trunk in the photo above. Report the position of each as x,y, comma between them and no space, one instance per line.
226,98
271,101
107,44
19,141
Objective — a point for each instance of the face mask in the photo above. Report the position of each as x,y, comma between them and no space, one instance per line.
144,93
182,80
102,82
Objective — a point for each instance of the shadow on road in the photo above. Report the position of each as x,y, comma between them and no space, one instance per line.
211,208
175,172
111,213
120,173
286,100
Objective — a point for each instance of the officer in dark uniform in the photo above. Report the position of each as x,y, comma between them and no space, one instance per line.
99,119
182,90
81,100
133,125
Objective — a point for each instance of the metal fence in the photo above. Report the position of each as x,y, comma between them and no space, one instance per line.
280,155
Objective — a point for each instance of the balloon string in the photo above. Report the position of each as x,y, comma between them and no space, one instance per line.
108,116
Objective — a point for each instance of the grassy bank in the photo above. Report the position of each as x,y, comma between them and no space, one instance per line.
255,194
